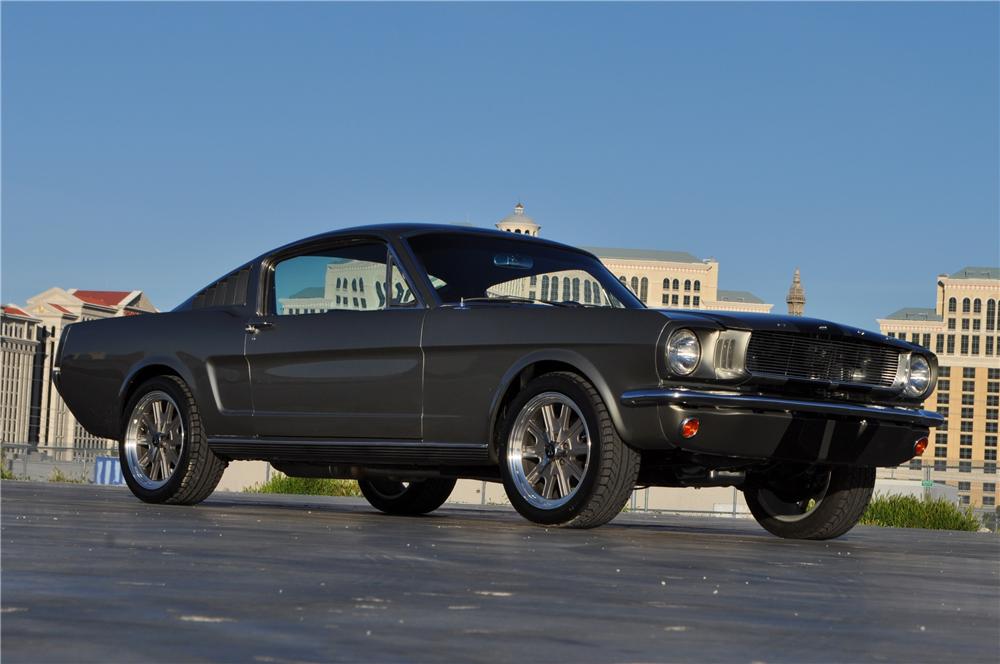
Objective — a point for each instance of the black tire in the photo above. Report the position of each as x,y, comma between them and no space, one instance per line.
197,471
837,511
410,499
608,476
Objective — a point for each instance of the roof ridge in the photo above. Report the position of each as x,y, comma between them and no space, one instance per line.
977,272
671,255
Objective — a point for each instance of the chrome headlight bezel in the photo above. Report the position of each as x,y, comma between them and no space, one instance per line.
918,376
683,352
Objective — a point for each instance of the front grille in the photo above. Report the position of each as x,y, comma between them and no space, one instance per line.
814,358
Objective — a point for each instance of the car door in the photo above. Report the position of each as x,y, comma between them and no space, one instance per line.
336,351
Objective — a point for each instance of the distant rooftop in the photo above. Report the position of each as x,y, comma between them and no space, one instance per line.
738,296
914,313
12,310
643,254
100,298
977,273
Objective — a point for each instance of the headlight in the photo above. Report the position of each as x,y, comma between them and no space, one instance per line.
683,352
919,378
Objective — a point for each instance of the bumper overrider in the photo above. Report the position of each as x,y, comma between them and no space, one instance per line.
764,427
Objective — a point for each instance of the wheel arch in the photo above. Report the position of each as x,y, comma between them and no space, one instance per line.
536,364
141,373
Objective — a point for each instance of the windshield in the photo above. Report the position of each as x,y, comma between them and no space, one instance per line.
483,268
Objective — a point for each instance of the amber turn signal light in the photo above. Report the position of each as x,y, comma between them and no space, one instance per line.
919,447
689,427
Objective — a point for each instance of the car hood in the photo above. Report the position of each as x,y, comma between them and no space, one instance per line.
777,323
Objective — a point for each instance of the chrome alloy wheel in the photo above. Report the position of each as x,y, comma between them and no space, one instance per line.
791,511
154,440
548,451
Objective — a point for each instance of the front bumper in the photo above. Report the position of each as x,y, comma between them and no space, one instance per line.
763,427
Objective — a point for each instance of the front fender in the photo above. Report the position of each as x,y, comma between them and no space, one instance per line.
637,429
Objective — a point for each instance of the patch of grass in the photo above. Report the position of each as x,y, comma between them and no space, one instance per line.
59,476
309,486
6,474
913,512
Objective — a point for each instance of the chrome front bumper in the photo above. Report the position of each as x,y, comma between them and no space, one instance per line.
699,399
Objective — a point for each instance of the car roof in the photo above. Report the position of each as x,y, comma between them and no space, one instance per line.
389,232
404,230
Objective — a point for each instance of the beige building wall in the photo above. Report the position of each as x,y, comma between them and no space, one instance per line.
675,280
18,348
59,434
660,279
963,330
240,475
663,278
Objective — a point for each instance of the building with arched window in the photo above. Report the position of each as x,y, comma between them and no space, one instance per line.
963,331
675,280
662,279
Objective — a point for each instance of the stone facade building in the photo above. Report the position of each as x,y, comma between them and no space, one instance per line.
963,331
48,423
673,279
18,350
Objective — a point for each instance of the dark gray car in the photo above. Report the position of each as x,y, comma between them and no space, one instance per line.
408,356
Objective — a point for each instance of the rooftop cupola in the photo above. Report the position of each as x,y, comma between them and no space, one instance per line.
519,223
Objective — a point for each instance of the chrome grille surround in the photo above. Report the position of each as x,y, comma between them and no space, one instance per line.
815,358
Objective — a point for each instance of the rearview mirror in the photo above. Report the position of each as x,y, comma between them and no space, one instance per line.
513,261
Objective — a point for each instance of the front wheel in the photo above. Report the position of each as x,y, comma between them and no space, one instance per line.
561,459
811,505
406,498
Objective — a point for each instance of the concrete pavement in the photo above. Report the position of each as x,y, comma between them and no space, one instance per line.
92,574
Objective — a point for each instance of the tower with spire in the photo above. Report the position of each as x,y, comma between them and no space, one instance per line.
796,296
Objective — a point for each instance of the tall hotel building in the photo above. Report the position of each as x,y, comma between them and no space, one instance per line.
963,331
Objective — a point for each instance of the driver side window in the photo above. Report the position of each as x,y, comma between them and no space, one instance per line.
353,277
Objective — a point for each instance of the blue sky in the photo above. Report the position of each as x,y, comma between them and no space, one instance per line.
156,146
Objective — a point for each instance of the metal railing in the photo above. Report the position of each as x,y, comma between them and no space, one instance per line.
44,462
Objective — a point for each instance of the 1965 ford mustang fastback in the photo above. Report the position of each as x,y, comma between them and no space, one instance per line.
408,356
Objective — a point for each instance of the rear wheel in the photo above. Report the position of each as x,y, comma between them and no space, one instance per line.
406,498
164,452
561,459
812,505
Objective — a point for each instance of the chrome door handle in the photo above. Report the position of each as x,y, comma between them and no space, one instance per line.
255,327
